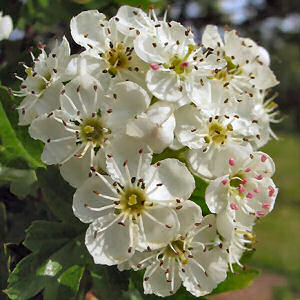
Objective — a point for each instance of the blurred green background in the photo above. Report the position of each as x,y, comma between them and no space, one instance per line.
274,24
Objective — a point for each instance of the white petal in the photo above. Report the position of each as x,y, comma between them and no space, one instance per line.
48,130
163,85
6,27
207,235
125,148
155,128
82,166
131,17
86,29
145,50
79,96
177,181
157,283
262,164
85,199
188,215
159,234
130,101
264,77
28,114
49,100
216,194
215,162
211,37
109,247
189,118
194,278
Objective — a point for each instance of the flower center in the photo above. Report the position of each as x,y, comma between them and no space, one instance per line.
180,65
118,58
230,70
133,200
176,249
40,81
92,130
217,133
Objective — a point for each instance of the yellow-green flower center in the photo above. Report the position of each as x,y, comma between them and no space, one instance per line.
92,130
230,70
133,200
176,249
217,133
118,58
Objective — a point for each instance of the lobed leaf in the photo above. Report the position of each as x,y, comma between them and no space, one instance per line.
57,263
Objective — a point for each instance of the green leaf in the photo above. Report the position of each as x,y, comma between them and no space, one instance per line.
20,180
3,252
236,281
198,195
56,264
109,282
59,199
169,153
12,144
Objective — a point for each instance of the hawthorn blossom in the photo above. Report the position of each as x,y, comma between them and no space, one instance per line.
114,51
247,63
85,125
262,110
212,130
247,186
6,26
134,203
191,258
178,67
44,82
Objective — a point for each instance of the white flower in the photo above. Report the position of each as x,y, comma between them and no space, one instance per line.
114,51
43,83
190,258
247,186
178,68
237,235
6,26
212,130
263,112
155,127
85,125
247,63
133,206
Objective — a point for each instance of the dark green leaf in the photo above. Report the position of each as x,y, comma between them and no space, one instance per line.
57,263
198,195
59,199
106,279
20,180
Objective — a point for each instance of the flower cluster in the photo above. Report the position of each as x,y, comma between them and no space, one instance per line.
143,85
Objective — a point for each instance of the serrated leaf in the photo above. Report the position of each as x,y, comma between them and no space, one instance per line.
236,281
57,263
13,146
59,199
